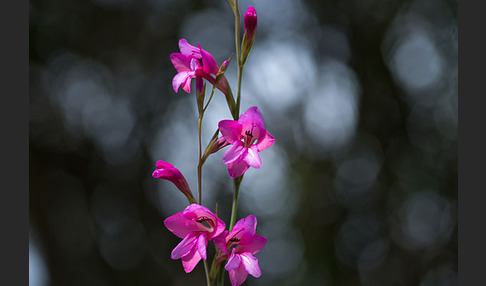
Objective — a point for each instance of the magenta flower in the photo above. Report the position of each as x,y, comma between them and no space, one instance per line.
243,243
247,137
167,171
191,63
196,225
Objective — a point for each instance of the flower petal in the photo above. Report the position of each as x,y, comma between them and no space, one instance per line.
180,225
233,261
186,85
209,64
181,62
186,246
253,158
235,152
183,78
161,165
202,242
188,49
265,142
250,243
250,263
190,261
238,275
218,229
237,168
231,130
247,224
252,121
220,241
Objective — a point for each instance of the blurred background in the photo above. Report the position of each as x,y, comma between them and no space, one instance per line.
361,96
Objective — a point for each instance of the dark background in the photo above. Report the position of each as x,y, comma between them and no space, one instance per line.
361,96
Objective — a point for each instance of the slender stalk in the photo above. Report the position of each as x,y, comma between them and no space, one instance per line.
238,94
237,183
199,165
208,281
238,57
221,277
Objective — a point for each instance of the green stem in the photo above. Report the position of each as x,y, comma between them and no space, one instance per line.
238,93
234,208
199,165
208,281
238,57
221,277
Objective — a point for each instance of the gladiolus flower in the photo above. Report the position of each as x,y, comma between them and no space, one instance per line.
196,225
194,62
247,137
167,171
243,243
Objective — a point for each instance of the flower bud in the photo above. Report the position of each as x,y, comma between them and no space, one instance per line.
167,171
250,21
220,143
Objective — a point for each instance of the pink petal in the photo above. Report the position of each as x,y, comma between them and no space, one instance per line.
202,242
265,142
190,261
183,78
235,152
181,62
231,130
238,276
186,246
252,121
247,224
180,225
194,211
233,261
186,86
250,243
253,158
161,165
237,168
219,228
220,241
209,64
251,264
188,49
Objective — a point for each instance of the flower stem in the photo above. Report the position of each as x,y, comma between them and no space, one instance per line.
234,208
238,57
221,277
238,94
208,281
199,165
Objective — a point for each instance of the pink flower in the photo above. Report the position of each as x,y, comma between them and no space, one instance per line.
167,171
191,63
245,243
247,137
196,225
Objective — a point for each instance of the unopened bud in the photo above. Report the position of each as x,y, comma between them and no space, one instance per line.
168,172
250,21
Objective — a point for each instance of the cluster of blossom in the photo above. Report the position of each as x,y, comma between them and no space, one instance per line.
246,135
